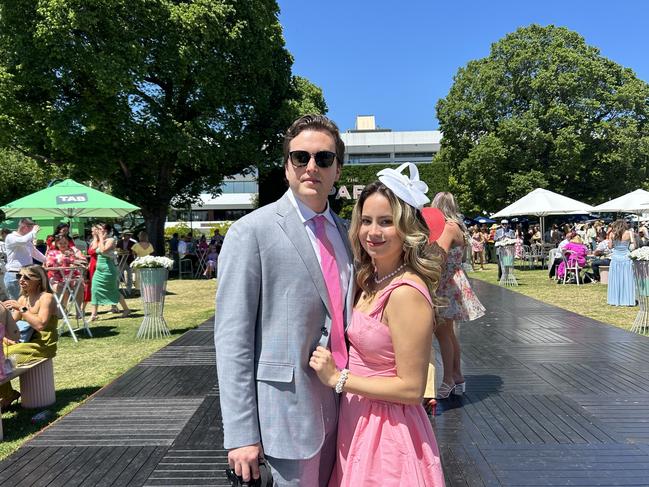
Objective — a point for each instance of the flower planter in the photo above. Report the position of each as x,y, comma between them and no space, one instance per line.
153,286
507,253
641,275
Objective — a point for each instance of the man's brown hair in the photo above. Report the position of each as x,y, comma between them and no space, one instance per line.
319,123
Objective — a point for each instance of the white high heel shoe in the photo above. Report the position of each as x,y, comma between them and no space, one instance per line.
445,390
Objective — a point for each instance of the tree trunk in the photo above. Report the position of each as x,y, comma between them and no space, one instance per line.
155,223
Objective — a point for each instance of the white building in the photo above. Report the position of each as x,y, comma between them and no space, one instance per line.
367,144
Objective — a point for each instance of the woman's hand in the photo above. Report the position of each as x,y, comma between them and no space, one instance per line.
11,304
323,363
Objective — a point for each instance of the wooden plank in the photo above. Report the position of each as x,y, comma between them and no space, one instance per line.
80,457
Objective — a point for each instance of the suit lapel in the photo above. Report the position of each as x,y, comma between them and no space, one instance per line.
296,233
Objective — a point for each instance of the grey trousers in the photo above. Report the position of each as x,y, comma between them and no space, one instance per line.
314,471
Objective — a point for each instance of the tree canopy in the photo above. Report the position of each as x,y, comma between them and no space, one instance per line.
544,109
20,176
159,99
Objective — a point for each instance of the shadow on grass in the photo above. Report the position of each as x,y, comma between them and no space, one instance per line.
180,331
17,421
98,331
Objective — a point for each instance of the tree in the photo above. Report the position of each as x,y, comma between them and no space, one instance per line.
544,109
20,176
157,100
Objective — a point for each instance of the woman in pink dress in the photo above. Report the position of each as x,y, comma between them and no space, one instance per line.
577,254
477,247
384,435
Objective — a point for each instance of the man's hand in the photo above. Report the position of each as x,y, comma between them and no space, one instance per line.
245,461
35,229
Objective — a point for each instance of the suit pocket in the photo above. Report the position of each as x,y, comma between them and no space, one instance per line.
275,372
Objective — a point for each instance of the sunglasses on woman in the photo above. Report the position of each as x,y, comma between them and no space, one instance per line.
300,158
20,276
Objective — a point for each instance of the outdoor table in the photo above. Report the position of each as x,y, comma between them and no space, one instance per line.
73,287
641,276
507,253
201,262
153,287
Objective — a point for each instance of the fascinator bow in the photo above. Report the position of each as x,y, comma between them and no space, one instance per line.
407,188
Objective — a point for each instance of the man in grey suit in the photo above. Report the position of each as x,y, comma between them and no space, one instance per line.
273,308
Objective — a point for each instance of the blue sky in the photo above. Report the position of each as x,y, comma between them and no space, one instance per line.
396,59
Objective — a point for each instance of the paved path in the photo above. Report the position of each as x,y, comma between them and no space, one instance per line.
553,398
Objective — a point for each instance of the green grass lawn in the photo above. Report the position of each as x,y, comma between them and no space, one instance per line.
587,299
82,368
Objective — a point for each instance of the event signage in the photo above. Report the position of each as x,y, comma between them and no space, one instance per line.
343,192
64,199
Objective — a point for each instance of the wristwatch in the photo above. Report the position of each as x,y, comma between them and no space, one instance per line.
24,309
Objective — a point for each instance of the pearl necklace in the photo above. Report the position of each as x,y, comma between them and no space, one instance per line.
391,274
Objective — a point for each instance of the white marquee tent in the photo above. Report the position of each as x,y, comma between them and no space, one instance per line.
542,202
634,202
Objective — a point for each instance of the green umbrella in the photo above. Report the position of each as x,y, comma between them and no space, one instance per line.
69,199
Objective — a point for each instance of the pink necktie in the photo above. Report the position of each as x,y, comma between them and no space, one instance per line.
332,280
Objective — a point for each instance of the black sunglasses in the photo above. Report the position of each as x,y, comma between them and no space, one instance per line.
300,158
20,276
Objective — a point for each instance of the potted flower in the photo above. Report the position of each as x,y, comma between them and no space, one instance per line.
640,258
152,275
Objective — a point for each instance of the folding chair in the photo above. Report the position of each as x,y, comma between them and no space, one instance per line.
568,268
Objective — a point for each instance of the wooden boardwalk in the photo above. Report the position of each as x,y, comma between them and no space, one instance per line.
553,399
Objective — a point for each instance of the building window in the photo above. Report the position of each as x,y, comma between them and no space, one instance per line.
239,187
414,155
368,158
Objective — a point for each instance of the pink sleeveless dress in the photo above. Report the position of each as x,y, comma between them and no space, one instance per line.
380,442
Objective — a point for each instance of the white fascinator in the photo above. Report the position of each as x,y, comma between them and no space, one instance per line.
407,188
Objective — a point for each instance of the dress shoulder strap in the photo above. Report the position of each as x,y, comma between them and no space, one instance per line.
385,295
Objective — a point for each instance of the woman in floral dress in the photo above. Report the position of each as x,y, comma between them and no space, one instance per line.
463,305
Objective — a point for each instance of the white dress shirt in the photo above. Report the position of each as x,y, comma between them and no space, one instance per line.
306,216
21,251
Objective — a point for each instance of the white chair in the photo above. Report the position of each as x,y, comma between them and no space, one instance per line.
570,268
527,256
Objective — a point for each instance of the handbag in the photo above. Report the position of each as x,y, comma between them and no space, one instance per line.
265,477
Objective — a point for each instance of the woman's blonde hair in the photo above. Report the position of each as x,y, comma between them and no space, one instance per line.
420,257
445,202
38,272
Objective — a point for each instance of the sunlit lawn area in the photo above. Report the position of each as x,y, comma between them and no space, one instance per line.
82,368
587,299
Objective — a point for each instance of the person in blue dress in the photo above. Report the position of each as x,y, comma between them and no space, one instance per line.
621,286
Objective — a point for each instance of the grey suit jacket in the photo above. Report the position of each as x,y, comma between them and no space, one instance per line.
271,313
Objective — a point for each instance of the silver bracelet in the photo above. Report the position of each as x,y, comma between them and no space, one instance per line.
341,381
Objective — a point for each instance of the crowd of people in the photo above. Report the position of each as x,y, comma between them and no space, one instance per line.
201,253
588,246
76,271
